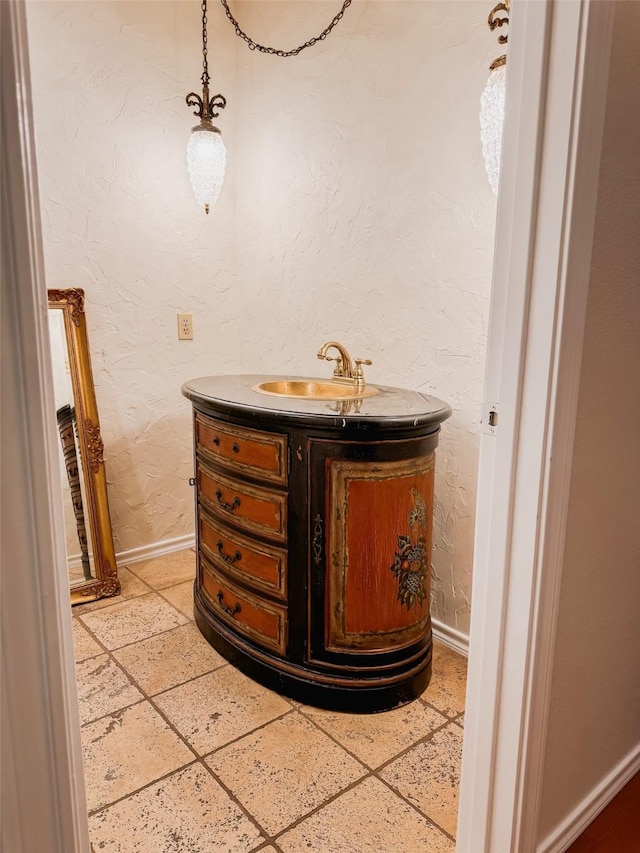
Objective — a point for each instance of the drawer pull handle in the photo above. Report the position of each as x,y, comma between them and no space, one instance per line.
216,440
236,448
229,507
230,611
237,556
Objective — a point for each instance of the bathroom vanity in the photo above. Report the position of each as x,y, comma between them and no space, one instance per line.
314,527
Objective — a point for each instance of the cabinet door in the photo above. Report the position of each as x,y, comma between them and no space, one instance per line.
370,565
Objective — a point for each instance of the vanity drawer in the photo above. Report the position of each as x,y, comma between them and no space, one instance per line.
261,621
251,562
250,507
259,454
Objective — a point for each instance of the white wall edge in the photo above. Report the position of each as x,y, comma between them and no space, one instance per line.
449,636
155,549
590,807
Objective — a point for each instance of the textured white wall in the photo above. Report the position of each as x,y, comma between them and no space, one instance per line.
364,214
594,720
120,221
356,207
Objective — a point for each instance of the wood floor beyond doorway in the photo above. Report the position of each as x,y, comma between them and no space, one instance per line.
617,827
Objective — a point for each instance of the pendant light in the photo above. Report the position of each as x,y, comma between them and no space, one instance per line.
206,154
492,102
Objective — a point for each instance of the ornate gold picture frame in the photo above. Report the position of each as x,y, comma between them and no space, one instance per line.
104,579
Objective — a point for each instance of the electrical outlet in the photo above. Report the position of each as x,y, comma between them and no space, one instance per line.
185,327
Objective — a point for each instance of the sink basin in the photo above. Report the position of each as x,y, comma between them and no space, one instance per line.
314,389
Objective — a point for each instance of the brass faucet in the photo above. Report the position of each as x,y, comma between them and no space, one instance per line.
344,371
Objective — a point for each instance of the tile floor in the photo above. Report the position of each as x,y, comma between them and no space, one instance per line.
184,754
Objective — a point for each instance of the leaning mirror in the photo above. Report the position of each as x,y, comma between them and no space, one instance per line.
90,555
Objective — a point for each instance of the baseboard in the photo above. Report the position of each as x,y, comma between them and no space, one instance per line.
155,549
456,640
579,819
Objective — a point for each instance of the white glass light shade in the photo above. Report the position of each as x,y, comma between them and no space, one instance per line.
206,161
491,121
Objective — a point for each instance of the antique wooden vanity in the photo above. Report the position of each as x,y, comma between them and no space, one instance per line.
314,520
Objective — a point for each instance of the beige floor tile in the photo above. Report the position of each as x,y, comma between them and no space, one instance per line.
186,812
181,596
132,621
447,690
219,707
367,819
460,721
130,587
169,659
429,776
103,688
84,646
126,751
168,570
376,738
284,770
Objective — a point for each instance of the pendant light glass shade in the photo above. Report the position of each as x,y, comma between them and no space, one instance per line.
206,161
491,122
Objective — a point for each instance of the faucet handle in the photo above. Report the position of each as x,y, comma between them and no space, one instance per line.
359,373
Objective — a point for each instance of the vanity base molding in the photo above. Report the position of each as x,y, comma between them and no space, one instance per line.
355,695
314,533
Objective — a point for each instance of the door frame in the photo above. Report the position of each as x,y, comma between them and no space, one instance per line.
43,804
558,70
558,67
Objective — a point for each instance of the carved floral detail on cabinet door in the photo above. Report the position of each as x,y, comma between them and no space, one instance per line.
410,564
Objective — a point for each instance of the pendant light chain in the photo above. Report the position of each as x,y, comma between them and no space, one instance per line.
205,64
274,51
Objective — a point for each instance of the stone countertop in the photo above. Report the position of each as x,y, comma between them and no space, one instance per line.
392,407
